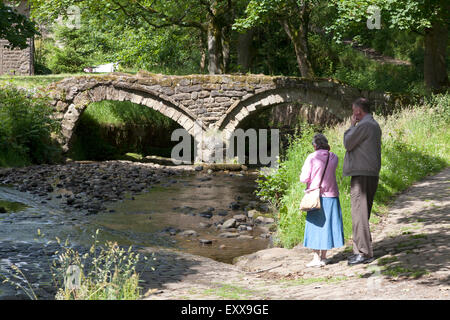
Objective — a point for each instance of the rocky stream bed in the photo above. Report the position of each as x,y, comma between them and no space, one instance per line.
67,197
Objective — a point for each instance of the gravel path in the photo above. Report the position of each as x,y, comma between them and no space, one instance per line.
412,260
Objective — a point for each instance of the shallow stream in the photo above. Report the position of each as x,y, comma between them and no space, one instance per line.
184,212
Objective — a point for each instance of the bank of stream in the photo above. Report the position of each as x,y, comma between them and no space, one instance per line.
212,214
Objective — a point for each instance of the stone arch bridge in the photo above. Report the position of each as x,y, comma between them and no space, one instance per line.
203,103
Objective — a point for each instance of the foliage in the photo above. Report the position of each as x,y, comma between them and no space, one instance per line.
26,128
146,18
73,49
396,14
293,16
15,27
104,273
355,69
428,18
415,143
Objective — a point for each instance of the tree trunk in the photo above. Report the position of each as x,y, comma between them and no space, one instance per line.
204,46
225,38
299,38
244,48
435,67
215,58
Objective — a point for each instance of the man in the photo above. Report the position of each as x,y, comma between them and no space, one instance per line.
362,162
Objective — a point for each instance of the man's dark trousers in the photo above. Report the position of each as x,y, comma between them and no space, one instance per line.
362,189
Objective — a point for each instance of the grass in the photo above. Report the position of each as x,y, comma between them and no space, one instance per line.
415,143
31,82
104,273
307,281
399,271
228,291
124,112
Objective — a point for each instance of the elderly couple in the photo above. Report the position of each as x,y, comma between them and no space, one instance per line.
362,161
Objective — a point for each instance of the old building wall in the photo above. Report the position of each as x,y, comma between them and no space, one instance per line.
16,61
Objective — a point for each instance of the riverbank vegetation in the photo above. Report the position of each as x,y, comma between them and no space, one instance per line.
105,272
27,129
415,143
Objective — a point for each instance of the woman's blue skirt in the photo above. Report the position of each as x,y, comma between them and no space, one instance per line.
324,229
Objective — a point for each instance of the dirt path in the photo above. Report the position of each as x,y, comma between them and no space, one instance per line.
411,249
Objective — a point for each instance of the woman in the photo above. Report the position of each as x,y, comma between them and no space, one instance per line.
324,228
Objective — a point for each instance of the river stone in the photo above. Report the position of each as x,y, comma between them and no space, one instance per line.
230,223
264,220
222,212
206,214
234,205
205,241
204,225
229,235
188,233
252,213
240,217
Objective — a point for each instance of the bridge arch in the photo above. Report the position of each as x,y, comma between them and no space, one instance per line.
71,102
278,96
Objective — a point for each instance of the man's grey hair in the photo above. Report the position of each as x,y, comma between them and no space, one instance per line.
320,141
362,103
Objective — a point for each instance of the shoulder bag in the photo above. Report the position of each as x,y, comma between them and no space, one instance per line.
311,199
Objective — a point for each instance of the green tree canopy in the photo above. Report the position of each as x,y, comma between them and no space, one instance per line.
15,27
430,18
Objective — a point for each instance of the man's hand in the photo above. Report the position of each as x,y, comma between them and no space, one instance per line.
354,120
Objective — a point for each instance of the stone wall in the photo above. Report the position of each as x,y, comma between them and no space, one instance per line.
16,61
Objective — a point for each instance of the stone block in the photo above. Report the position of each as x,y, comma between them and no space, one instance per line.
222,99
181,96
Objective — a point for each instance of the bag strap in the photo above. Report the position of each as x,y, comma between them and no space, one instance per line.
323,174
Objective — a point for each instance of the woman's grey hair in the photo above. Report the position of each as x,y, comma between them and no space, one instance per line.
320,142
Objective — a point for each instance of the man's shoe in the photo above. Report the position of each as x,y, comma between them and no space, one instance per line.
358,259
